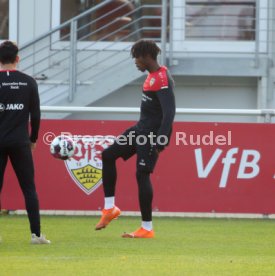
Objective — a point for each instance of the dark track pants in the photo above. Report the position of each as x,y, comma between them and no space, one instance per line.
22,163
146,161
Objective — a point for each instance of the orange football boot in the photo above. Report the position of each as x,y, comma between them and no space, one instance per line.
140,233
107,216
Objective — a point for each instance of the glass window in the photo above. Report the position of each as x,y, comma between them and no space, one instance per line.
4,19
120,20
220,20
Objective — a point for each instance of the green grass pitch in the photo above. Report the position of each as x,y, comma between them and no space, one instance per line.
182,246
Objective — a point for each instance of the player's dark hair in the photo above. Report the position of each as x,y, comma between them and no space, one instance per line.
8,52
143,48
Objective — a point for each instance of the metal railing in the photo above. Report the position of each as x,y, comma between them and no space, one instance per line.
266,114
58,58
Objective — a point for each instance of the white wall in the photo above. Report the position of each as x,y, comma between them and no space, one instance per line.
34,19
190,92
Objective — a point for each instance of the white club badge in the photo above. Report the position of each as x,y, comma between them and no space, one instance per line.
152,81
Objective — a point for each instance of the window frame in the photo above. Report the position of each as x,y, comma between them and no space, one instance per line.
13,24
180,44
98,45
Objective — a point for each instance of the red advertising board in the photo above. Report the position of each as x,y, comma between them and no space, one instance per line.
208,167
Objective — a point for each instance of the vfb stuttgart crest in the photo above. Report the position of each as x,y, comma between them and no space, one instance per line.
85,167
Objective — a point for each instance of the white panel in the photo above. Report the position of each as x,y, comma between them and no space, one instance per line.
26,21
56,4
42,12
13,20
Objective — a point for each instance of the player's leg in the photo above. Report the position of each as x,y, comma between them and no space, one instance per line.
3,164
109,157
145,195
146,161
109,176
22,162
109,171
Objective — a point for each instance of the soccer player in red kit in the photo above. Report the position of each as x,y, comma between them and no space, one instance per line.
155,124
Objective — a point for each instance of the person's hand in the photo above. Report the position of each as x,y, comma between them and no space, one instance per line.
33,146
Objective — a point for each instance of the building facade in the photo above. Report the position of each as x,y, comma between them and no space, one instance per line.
221,53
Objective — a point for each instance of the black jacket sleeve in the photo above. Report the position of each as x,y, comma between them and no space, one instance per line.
35,113
167,101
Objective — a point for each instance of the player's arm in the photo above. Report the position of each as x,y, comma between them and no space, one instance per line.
167,101
35,113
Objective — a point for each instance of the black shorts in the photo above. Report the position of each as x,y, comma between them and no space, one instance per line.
133,142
